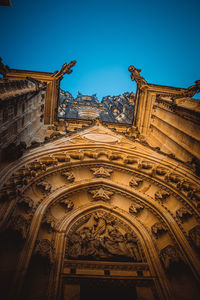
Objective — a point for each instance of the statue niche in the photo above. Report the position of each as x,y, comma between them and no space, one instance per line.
101,237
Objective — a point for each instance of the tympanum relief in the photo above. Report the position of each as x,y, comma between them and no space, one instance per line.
101,238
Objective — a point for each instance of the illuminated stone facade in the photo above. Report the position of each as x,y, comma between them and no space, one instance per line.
105,210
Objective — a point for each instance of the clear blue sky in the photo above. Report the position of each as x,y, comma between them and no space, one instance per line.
105,37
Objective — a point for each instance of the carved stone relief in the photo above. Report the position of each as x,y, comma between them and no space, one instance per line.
49,220
101,194
27,204
20,224
145,165
194,234
100,237
135,182
44,186
67,204
169,255
101,172
69,176
135,208
183,213
161,195
45,248
158,229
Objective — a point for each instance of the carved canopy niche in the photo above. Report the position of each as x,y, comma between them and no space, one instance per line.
102,236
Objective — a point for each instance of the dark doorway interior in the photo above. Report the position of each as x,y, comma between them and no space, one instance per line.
106,291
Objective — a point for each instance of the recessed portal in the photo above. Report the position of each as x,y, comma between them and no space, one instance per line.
106,292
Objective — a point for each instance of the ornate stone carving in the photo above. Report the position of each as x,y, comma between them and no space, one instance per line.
66,69
27,203
101,172
50,221
189,92
169,255
130,159
194,234
101,194
49,161
45,248
183,213
44,186
145,165
160,171
101,238
69,176
20,224
7,193
67,203
135,76
135,208
172,177
135,181
158,229
184,185
3,68
161,195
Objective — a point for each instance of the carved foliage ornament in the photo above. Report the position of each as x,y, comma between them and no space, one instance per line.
50,221
169,255
44,186
27,203
194,234
161,195
135,182
67,203
158,229
45,248
183,213
100,237
101,172
20,224
101,194
69,176
135,208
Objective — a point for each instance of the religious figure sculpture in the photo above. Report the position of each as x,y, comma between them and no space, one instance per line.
101,238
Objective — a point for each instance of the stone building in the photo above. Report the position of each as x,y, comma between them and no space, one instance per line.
101,208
